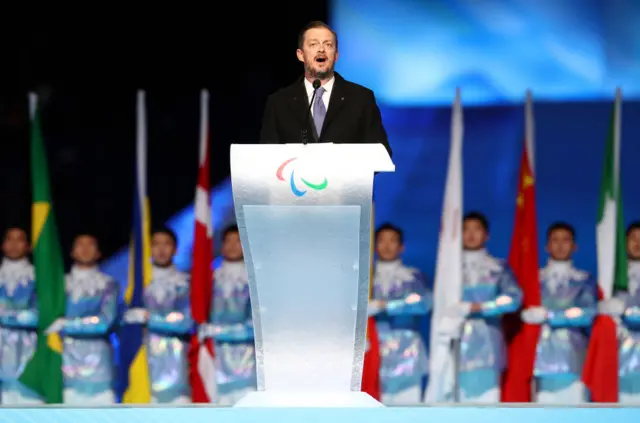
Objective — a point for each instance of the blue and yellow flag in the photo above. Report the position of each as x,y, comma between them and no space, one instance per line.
135,384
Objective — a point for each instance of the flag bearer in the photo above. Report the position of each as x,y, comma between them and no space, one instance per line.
569,300
401,300
18,318
489,291
231,324
92,306
167,314
625,307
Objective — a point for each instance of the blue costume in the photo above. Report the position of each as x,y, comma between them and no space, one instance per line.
569,305
407,301
482,358
18,322
92,305
629,337
168,302
232,330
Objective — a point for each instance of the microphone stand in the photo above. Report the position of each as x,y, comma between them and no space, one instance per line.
304,133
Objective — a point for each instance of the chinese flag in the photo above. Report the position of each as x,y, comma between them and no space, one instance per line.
522,338
371,368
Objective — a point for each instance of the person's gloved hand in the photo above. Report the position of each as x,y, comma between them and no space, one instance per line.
56,326
375,307
205,331
613,307
534,315
136,316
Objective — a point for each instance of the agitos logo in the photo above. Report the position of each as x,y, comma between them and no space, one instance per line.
292,180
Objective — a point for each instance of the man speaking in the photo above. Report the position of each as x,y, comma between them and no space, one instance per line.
322,106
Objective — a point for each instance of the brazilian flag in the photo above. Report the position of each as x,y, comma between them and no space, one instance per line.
43,373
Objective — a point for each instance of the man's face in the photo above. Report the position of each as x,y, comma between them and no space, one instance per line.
15,245
85,250
633,244
561,245
318,53
162,249
232,247
388,245
474,235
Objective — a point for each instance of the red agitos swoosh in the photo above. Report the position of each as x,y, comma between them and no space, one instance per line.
281,168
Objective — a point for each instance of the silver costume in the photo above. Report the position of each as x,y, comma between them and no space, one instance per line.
18,322
92,306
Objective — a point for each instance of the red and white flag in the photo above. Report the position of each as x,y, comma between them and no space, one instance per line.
201,354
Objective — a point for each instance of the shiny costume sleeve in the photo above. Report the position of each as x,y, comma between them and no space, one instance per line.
179,320
235,332
249,323
508,300
582,313
101,323
631,316
420,307
21,319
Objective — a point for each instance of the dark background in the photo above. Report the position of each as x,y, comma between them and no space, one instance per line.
87,76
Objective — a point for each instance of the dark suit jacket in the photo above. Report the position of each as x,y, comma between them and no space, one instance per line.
352,116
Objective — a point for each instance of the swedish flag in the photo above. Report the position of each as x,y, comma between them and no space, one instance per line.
135,385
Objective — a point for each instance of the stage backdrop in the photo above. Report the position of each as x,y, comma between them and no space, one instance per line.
416,52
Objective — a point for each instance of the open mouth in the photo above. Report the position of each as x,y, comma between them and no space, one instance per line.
321,59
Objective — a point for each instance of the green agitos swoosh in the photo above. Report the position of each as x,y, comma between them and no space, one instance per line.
317,187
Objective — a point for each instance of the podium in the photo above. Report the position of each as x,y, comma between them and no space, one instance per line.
304,217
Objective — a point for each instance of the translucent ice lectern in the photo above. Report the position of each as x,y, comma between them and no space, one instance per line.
304,214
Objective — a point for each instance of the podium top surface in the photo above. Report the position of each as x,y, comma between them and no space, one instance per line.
372,156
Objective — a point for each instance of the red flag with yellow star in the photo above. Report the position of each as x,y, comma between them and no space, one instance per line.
371,368
523,259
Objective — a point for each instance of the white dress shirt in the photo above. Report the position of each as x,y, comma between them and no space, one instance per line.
328,87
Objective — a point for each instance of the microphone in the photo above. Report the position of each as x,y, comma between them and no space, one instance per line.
305,138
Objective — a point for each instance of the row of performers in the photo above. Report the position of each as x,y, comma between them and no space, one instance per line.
92,311
401,305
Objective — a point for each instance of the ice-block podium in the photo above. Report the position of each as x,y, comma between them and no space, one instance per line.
304,216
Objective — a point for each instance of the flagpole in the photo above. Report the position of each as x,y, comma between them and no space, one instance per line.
529,145
455,343
455,346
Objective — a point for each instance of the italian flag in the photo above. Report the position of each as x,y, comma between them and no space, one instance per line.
601,364
43,373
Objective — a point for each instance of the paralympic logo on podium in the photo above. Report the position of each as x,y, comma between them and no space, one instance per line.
292,180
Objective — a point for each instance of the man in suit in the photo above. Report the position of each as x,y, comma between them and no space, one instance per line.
342,112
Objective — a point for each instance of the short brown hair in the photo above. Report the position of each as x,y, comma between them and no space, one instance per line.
314,25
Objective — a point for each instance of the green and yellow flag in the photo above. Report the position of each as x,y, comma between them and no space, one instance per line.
43,373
